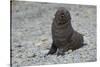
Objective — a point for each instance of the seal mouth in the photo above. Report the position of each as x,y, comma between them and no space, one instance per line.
62,19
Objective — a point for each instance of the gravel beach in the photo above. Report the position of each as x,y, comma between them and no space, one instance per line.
31,33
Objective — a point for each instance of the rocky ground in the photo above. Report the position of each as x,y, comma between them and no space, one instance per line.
31,33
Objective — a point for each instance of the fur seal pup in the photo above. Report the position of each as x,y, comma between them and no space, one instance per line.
63,35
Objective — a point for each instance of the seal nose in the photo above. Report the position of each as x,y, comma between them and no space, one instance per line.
62,15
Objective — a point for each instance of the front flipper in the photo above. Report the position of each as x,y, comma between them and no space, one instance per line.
60,51
53,49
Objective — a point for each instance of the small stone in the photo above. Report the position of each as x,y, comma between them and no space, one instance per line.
34,55
69,51
77,14
19,46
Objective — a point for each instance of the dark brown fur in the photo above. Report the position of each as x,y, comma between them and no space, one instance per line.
63,35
